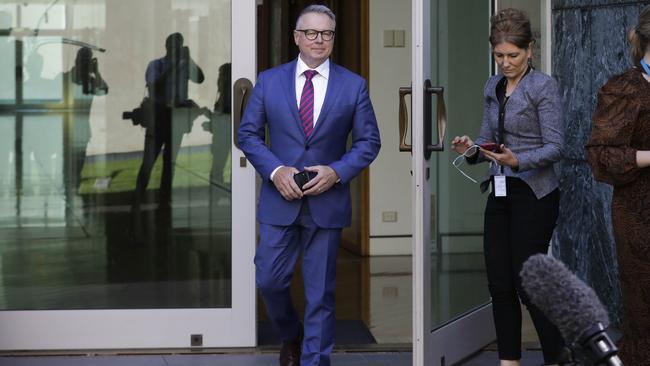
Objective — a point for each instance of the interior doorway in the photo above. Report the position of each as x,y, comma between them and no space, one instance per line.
275,23
373,307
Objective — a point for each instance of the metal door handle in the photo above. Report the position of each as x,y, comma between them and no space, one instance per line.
403,119
241,91
441,118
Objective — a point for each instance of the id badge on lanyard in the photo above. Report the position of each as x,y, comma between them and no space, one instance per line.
499,186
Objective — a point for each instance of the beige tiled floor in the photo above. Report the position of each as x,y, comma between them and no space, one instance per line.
390,303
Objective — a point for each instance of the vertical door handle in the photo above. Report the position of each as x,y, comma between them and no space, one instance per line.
403,119
241,91
441,118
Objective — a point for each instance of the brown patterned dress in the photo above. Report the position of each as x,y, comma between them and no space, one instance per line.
621,126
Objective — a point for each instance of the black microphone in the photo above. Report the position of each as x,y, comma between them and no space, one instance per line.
572,306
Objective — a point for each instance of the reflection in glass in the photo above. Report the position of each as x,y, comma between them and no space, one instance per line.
69,162
7,171
42,66
167,114
42,171
42,15
220,127
8,59
458,277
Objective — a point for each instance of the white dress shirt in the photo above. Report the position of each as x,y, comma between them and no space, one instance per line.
320,87
320,84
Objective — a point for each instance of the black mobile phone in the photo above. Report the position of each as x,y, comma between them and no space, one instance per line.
302,178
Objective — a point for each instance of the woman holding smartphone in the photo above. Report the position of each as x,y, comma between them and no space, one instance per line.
521,135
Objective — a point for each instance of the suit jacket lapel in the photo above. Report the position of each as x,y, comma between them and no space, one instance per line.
333,89
289,88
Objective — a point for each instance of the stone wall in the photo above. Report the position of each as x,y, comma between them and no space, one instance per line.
589,46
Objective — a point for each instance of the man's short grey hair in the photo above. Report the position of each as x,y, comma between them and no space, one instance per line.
319,9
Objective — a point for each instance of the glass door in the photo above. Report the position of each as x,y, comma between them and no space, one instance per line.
122,194
450,63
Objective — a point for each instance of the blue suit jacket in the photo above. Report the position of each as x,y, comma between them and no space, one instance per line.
346,109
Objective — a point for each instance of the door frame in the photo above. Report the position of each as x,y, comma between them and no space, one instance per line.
450,342
420,196
168,328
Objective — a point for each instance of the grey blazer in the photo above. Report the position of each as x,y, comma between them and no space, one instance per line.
534,130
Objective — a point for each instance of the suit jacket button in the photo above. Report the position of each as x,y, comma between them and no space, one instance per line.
306,147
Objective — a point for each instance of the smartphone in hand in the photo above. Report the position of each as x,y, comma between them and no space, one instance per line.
491,146
302,178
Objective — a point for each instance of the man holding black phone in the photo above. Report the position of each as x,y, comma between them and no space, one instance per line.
310,106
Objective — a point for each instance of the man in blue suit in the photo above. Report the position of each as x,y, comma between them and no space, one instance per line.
310,107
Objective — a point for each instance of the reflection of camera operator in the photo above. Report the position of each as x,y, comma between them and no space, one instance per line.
167,77
86,73
84,82
171,113
220,127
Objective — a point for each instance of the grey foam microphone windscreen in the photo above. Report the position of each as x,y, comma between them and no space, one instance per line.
568,302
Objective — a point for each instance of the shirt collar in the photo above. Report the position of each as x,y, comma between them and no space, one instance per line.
323,69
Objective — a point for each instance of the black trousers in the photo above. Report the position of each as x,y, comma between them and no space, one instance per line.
166,138
516,227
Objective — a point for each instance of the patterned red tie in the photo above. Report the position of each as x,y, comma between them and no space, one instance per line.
307,103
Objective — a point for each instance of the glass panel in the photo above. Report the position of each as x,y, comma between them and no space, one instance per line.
8,52
8,17
39,15
7,64
7,172
460,62
97,211
42,79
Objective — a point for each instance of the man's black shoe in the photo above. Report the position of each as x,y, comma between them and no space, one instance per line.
290,351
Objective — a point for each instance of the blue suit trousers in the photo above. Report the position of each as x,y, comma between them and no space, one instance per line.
275,262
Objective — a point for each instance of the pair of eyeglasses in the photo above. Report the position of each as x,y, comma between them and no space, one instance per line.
460,159
312,34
